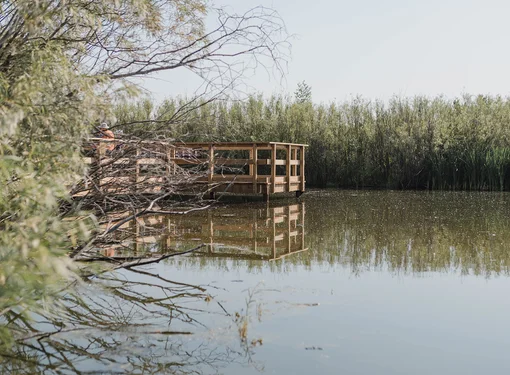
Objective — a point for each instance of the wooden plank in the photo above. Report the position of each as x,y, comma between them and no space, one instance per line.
294,161
295,186
279,189
238,178
273,168
189,161
150,161
148,179
269,161
226,161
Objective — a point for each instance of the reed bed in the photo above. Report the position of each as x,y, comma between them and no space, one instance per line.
404,143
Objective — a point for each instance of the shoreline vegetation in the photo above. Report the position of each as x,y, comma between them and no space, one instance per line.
405,143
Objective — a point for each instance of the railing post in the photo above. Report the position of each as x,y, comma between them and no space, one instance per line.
211,169
287,167
294,157
254,160
302,170
250,166
273,168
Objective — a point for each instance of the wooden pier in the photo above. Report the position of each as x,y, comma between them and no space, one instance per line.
241,168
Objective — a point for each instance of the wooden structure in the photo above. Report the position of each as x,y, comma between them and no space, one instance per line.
269,233
240,168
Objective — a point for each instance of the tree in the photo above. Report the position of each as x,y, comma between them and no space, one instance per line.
62,65
303,93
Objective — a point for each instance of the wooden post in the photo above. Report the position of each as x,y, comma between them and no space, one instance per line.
302,170
254,159
287,167
294,157
250,166
273,168
211,169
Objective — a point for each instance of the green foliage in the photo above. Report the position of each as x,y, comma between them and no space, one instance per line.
303,93
414,143
55,83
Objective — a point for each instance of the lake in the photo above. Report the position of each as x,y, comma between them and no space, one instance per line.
353,282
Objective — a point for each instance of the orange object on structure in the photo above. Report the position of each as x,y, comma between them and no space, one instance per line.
106,133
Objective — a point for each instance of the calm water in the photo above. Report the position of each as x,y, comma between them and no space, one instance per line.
375,282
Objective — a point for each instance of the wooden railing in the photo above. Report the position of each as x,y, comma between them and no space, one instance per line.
248,168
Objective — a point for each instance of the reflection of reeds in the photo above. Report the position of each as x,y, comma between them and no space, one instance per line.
402,232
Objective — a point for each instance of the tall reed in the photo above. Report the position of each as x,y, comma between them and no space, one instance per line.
405,143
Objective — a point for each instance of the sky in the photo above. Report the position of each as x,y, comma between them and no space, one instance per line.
381,48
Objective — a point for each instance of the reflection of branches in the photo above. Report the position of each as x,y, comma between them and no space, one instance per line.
112,324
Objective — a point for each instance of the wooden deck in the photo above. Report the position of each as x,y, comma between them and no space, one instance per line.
239,168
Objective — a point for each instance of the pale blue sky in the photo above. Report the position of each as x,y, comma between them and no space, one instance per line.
378,49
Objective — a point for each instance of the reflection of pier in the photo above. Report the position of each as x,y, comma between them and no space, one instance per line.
236,232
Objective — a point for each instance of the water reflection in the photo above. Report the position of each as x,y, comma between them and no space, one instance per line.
133,322
409,232
374,323
253,232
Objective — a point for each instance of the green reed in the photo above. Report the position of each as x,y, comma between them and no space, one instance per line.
405,143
